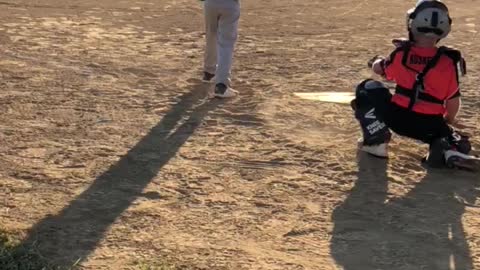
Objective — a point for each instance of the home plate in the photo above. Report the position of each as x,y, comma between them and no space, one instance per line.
334,97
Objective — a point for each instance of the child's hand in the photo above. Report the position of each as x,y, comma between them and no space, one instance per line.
371,61
377,66
453,107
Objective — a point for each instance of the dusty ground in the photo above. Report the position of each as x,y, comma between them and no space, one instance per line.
111,152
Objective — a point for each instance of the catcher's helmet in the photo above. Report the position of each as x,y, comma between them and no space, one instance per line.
429,18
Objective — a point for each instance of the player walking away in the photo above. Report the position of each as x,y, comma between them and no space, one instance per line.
427,95
221,25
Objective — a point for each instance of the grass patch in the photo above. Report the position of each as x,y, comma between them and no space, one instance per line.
16,257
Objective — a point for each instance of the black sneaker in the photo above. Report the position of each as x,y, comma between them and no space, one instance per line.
223,91
455,159
207,77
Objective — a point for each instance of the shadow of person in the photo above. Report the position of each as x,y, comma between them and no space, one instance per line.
357,219
74,232
421,230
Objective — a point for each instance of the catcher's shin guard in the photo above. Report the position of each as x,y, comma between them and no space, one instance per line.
371,99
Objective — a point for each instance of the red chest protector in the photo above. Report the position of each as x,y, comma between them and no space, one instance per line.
417,92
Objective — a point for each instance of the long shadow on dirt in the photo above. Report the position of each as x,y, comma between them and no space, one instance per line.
75,232
421,230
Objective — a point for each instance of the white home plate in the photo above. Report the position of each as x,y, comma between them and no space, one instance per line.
334,97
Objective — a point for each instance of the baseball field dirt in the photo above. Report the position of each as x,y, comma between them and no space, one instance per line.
112,155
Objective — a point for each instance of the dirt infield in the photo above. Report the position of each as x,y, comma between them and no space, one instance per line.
113,156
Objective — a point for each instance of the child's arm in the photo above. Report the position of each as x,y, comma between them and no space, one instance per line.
453,101
386,67
453,107
383,66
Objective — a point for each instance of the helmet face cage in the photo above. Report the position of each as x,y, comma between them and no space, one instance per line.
430,19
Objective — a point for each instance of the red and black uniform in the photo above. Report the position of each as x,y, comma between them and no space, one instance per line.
426,78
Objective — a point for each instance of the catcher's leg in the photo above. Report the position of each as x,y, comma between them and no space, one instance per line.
369,104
